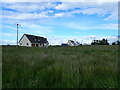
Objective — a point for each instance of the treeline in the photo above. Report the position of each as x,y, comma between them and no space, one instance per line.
100,42
104,42
116,43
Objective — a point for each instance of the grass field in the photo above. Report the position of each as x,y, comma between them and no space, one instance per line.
60,67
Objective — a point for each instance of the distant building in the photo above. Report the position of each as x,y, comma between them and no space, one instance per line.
33,41
73,43
63,44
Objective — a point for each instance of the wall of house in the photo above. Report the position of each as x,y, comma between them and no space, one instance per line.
70,43
25,42
40,45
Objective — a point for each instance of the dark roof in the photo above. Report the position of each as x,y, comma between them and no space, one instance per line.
36,39
72,41
63,44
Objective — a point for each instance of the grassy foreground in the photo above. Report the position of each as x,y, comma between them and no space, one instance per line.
60,67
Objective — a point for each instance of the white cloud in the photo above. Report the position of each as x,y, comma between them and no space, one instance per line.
50,11
24,7
109,26
103,8
28,7
92,11
109,38
26,16
89,11
27,11
113,16
85,5
99,1
5,42
60,14
24,10
55,40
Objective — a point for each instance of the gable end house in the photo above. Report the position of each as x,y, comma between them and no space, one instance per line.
33,41
73,43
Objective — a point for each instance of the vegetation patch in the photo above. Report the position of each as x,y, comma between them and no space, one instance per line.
60,67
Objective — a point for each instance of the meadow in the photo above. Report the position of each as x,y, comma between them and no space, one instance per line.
93,66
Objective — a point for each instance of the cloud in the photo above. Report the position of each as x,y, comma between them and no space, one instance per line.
37,11
5,42
27,6
27,11
88,11
55,40
60,14
108,26
26,16
110,39
99,1
21,7
71,5
113,16
90,8
91,11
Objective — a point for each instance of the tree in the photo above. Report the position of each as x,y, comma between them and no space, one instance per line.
100,42
116,42
113,43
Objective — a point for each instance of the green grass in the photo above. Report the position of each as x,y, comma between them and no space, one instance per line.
60,67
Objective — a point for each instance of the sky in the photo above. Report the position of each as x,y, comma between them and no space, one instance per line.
60,20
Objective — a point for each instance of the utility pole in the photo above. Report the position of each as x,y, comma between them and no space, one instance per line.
17,35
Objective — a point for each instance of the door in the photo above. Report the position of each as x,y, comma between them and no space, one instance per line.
37,45
33,45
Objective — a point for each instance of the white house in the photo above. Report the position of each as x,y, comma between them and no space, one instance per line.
73,43
33,41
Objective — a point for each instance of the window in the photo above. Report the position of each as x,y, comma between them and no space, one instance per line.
20,43
27,43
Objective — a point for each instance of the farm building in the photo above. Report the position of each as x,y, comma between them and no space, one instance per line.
73,43
33,41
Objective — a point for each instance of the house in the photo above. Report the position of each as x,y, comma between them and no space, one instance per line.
73,43
33,41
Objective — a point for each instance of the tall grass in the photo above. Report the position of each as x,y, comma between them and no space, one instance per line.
60,67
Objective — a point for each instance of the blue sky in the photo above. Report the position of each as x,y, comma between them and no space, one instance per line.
60,21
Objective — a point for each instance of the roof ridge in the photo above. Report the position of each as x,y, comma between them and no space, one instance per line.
33,35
